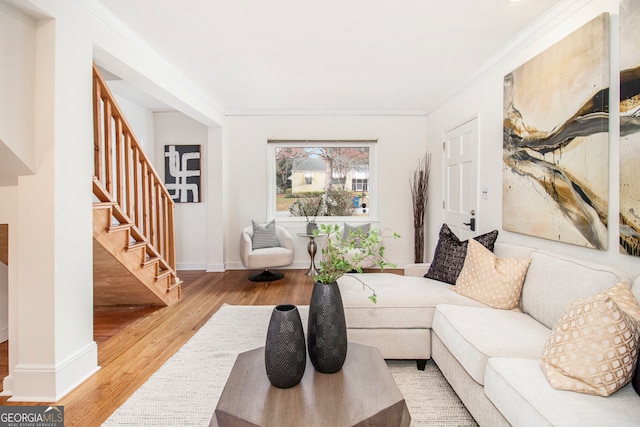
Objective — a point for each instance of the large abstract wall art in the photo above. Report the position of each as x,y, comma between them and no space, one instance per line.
555,141
182,172
630,127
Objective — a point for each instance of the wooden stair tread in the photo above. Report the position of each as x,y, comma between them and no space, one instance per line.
103,205
118,227
163,274
175,286
137,245
150,261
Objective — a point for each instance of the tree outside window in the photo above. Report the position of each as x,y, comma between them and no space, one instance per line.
322,180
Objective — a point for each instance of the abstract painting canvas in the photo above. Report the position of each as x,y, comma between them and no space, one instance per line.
556,142
182,172
630,127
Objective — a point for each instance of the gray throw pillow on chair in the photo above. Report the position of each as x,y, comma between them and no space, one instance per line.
362,231
264,236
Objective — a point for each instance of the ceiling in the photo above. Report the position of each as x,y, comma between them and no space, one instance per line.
267,57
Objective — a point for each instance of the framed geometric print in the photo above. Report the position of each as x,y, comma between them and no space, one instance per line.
182,173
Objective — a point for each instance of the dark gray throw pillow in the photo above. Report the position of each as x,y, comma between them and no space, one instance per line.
451,253
264,236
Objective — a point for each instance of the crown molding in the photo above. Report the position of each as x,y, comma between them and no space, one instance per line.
326,113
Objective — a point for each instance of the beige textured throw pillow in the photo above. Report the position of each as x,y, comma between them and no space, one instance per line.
622,295
593,348
494,281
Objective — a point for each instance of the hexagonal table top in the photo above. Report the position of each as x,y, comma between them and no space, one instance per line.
362,393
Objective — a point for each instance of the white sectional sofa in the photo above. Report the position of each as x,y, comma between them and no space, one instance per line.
489,356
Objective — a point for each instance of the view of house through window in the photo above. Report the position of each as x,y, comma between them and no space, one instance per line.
322,180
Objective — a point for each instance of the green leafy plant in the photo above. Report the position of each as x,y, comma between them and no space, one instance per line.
338,257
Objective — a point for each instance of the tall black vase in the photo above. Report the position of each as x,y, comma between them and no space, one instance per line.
327,329
285,356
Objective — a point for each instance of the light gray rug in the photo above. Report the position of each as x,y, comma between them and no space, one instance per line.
186,389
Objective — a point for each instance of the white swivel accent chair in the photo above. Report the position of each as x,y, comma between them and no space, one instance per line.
266,258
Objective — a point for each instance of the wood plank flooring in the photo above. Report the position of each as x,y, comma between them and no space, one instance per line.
134,342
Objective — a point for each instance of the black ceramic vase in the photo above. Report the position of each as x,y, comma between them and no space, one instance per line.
285,355
327,329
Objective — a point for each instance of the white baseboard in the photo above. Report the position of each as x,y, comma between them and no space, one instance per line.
7,386
216,268
49,383
191,266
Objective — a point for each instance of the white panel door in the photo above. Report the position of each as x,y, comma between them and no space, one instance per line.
460,157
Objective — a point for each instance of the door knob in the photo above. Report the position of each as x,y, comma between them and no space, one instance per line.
471,224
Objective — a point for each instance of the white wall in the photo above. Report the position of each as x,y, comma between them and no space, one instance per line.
16,94
214,171
401,142
52,289
16,127
8,196
4,302
141,121
190,218
484,97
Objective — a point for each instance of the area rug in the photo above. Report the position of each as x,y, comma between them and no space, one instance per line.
186,389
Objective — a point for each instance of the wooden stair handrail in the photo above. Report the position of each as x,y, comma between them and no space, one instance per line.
124,175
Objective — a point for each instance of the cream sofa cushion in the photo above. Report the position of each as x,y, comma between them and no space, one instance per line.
509,250
552,282
475,334
404,302
521,392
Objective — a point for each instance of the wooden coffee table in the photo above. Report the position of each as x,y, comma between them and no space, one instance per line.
363,393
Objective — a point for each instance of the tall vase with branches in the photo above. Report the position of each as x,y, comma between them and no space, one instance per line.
419,197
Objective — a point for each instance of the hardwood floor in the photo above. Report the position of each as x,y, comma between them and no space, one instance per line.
134,342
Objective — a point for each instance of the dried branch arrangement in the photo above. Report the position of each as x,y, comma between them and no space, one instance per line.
419,197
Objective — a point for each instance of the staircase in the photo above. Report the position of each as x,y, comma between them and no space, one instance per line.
134,245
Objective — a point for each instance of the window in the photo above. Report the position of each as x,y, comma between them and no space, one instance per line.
311,179
360,184
308,178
